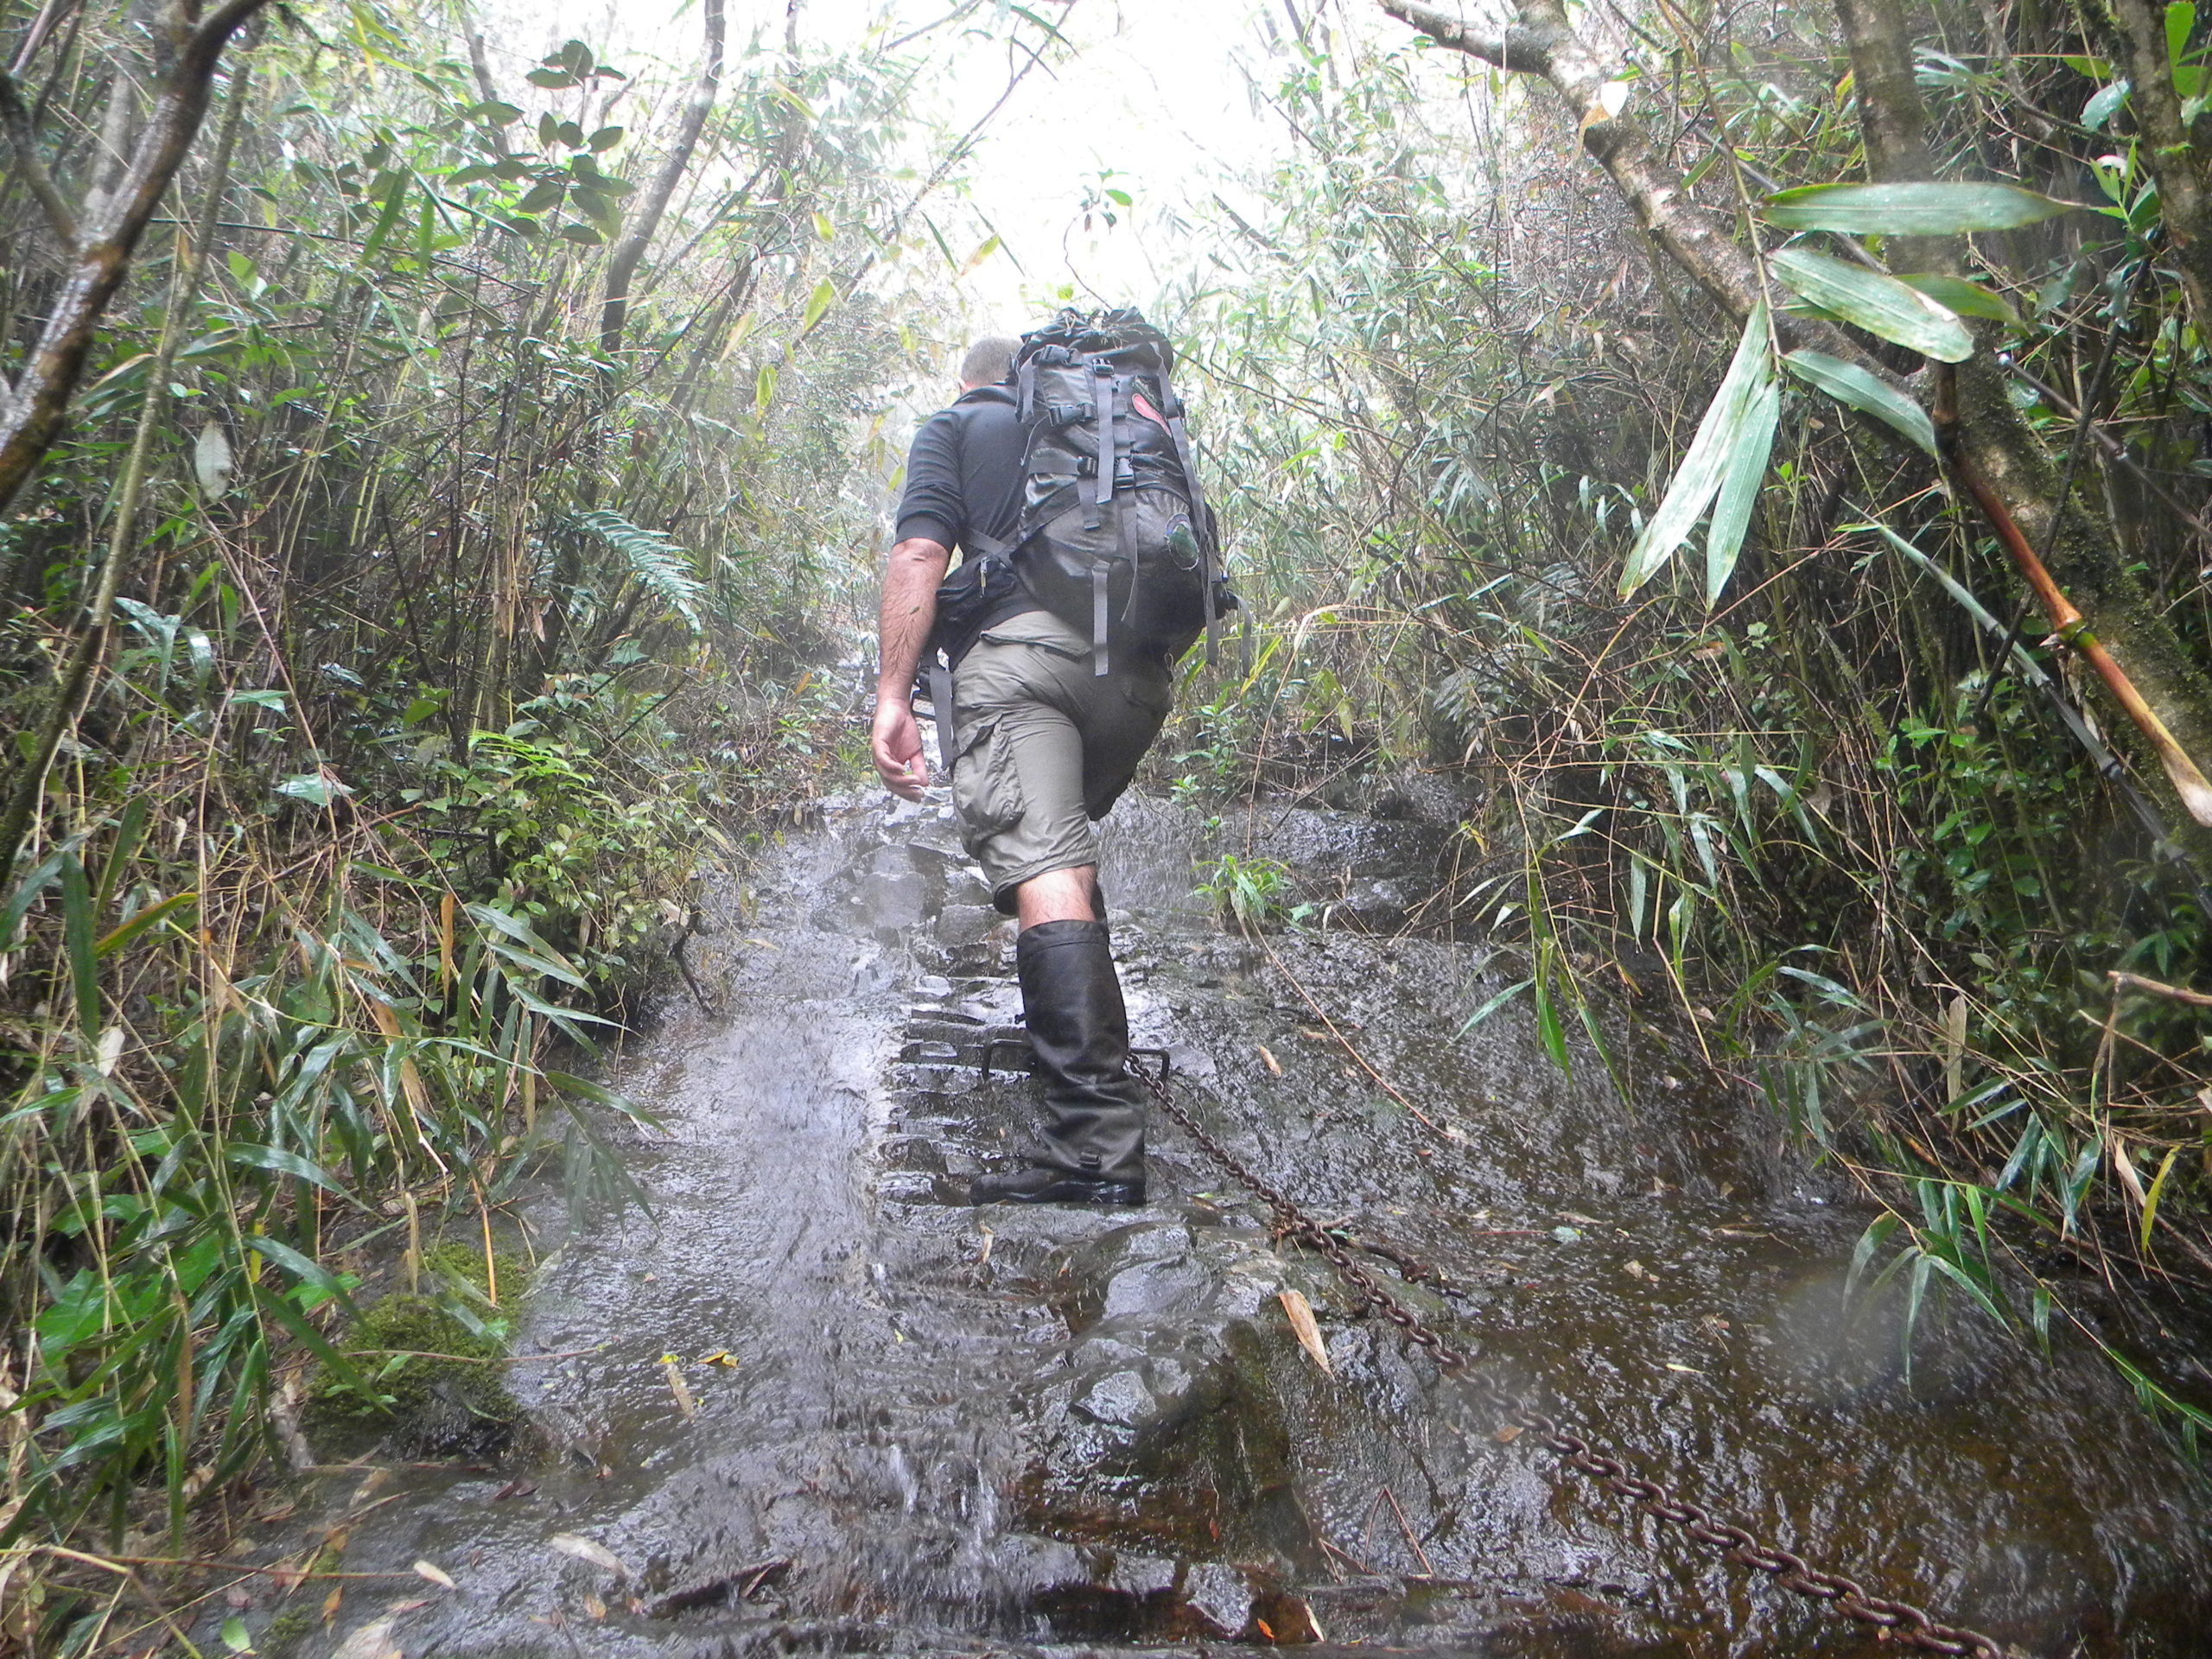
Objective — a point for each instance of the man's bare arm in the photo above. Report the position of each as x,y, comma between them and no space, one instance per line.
909,612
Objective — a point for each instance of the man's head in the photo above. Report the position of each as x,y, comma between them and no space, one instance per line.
988,362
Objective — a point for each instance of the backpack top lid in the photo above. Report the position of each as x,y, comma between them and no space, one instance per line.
1121,332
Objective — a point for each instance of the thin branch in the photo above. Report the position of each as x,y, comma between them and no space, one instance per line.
23,139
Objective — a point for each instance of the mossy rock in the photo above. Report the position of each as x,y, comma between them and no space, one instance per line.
438,1388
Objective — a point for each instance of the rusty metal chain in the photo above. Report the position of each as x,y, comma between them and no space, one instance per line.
1894,1621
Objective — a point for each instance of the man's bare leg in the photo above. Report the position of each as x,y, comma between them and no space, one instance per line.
1068,895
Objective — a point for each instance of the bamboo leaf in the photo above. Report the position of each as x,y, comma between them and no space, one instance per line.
77,937
1965,1282
129,829
1548,1029
310,1273
1850,384
1739,486
1967,298
27,890
1881,305
2151,1199
1494,1004
114,942
1698,477
1933,209
278,1161
1869,1244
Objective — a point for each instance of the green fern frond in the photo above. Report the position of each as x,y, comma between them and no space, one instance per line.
655,563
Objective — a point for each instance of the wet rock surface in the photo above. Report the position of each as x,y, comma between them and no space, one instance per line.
916,1427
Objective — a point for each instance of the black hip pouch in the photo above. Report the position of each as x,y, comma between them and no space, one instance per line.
969,599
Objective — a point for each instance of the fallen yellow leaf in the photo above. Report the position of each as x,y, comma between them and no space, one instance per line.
436,1575
673,1371
1300,1312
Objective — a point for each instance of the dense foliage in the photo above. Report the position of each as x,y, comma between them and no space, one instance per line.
1832,794
474,485
463,615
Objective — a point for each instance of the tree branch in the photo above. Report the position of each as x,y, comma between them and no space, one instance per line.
22,140
33,413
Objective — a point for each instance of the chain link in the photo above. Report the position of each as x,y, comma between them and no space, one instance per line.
1894,1621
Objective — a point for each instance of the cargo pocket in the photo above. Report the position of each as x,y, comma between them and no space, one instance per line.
986,784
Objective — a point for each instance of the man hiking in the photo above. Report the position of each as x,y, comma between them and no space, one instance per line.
1062,474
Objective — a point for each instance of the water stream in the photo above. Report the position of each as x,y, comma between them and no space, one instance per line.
920,1428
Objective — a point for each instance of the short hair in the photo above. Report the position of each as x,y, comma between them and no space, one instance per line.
989,361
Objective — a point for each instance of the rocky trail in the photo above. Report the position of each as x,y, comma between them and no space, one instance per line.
809,1405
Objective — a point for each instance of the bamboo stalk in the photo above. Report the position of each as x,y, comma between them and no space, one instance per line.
2066,622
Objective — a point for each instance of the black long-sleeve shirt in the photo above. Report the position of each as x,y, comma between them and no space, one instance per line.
963,472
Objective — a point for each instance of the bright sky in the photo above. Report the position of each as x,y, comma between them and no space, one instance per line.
1155,103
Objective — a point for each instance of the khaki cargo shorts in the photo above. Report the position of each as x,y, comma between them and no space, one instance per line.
1043,747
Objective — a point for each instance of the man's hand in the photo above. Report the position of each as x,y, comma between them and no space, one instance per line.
896,743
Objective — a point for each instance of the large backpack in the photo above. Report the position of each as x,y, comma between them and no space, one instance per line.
1114,535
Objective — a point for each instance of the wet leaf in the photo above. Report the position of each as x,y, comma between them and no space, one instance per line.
594,1607
1911,209
672,1368
584,1549
1967,298
1567,1234
2103,104
1696,481
1507,1435
1954,1048
234,1634
1611,100
1273,1065
1850,384
1881,305
1753,442
1300,1313
435,1574
2150,1199
316,788
213,463
369,1641
1693,1370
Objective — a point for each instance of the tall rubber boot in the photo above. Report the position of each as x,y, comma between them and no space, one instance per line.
1093,1116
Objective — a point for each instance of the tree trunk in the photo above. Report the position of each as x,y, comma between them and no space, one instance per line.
32,409
2137,32
638,233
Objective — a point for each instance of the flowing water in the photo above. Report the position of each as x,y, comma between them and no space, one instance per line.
915,1427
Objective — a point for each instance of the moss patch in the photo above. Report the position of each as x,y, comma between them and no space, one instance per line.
434,1387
